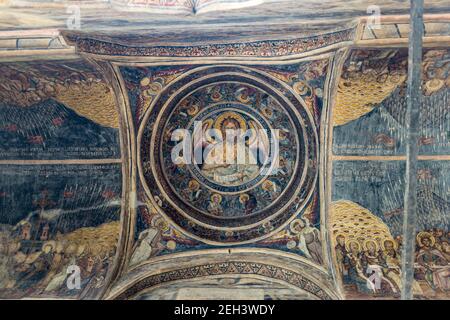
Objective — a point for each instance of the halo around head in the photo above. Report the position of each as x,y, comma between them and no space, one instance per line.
366,242
244,197
340,234
193,185
230,115
50,243
394,243
294,224
216,195
349,242
268,185
424,234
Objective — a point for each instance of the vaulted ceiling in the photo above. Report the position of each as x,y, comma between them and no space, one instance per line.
87,114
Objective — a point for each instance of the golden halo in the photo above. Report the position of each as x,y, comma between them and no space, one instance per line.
294,224
424,234
194,185
193,109
339,235
267,112
159,223
268,185
229,233
301,88
171,245
145,81
366,242
216,195
51,243
230,115
348,242
433,85
244,197
383,245
242,95
155,87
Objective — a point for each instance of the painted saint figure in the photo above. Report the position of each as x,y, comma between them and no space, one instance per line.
432,262
214,206
227,162
146,245
308,239
353,264
373,263
341,252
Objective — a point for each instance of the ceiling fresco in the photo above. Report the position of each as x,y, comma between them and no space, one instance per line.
120,157
211,205
211,194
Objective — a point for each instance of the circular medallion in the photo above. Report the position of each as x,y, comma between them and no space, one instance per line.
232,175
228,154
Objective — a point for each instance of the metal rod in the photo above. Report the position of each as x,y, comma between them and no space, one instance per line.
414,93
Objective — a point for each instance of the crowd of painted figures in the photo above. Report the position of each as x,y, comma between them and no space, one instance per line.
33,267
372,266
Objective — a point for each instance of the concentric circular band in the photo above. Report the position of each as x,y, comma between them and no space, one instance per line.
232,203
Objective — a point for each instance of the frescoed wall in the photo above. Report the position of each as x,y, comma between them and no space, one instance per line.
61,186
368,174
371,99
58,111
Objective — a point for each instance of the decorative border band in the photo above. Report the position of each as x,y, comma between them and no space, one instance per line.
266,48
226,268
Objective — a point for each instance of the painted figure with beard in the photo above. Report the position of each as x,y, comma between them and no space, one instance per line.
59,274
193,191
56,264
217,166
373,262
35,267
352,262
432,262
214,206
341,252
392,269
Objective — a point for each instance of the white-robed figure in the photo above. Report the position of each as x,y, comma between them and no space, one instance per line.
146,245
308,239
73,253
227,161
